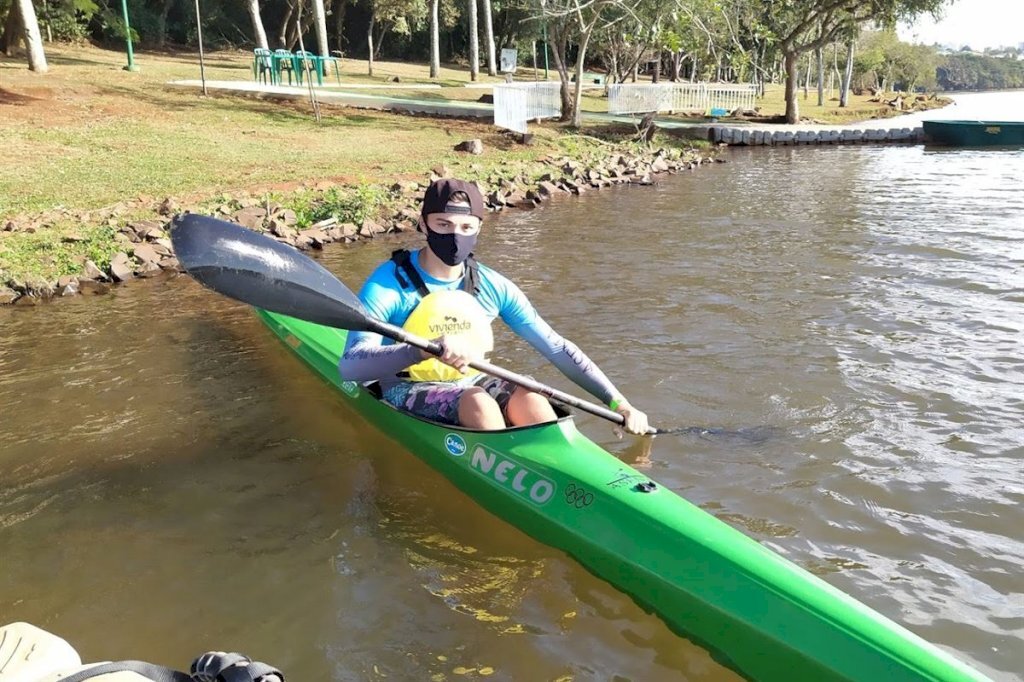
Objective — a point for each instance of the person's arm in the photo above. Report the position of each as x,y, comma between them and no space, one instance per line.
367,356
520,315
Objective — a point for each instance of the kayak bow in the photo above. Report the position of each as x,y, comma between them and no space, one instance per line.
756,612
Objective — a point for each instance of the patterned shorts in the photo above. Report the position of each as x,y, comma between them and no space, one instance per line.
439,400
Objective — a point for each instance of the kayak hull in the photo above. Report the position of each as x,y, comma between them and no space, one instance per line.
756,612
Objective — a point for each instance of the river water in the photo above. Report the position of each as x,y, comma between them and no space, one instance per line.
175,481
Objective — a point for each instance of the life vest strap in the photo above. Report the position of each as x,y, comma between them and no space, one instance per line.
403,266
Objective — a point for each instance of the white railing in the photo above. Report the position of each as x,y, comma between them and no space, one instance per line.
517,103
636,98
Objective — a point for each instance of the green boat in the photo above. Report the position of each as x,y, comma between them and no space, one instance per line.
974,133
756,612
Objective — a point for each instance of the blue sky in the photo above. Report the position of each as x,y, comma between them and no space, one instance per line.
978,23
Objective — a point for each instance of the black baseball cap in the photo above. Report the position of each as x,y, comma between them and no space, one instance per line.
436,198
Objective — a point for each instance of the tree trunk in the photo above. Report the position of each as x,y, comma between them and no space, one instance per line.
577,116
339,22
474,42
12,32
33,39
844,89
656,73
320,19
492,68
558,40
792,108
435,39
161,23
282,32
254,14
369,40
821,76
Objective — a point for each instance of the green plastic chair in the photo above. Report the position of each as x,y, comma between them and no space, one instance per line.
285,61
335,59
262,64
302,58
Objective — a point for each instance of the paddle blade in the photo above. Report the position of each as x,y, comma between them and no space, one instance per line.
261,271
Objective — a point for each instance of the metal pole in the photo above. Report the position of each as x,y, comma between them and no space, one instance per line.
202,60
128,38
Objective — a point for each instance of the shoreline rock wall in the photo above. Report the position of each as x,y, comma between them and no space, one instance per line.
145,249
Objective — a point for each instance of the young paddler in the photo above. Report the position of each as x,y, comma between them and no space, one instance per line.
441,292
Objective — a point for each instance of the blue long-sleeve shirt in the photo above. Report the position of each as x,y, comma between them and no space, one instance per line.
370,356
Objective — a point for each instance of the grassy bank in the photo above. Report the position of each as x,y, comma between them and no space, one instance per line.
93,148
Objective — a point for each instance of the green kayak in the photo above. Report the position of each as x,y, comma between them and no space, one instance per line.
757,613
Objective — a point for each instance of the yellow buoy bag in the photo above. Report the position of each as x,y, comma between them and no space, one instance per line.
448,313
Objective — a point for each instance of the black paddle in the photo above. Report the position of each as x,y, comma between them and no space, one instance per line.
263,272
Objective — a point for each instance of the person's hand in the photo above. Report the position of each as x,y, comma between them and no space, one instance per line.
636,421
458,352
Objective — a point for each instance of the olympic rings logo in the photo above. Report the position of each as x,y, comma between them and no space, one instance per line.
577,496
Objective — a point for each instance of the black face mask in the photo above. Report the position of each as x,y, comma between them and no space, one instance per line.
452,249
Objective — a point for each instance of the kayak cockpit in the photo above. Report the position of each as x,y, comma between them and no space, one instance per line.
374,389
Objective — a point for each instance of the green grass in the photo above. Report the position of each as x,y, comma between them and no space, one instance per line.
91,147
33,259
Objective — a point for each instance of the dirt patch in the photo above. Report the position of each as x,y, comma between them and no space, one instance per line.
23,98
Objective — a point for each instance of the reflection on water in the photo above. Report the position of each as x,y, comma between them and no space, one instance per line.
162,454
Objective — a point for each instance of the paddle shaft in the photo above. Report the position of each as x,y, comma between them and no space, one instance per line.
399,334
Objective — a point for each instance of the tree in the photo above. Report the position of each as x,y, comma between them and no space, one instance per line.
257,23
435,40
33,39
492,68
799,26
320,21
474,42
585,18
844,89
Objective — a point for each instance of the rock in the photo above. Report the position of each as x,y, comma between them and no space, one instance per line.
659,165
515,197
121,267
148,269
394,79
486,98
404,226
88,286
287,216
69,289
279,229
316,237
148,229
91,272
644,179
441,171
146,253
409,214
26,299
370,228
10,226
349,230
547,188
251,217
163,246
72,238
8,296
471,146
169,264
167,207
